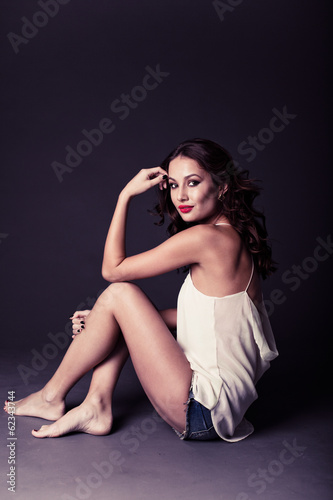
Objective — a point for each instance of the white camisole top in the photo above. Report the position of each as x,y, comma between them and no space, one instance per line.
229,344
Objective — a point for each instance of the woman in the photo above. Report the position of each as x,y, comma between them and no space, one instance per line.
203,383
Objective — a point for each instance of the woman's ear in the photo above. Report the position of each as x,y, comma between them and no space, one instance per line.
222,191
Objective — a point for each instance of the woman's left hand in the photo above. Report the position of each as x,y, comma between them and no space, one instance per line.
78,321
145,180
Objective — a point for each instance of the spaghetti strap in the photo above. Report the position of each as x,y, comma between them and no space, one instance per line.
252,271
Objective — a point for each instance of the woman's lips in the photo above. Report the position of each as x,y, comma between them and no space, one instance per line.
185,209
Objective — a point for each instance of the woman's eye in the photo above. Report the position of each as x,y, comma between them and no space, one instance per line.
193,183
173,185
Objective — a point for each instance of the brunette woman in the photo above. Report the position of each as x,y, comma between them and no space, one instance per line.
202,383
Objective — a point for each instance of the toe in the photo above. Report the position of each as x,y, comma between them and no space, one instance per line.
42,432
35,433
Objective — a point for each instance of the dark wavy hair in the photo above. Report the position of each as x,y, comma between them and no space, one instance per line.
236,205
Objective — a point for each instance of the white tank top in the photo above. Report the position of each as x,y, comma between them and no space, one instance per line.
229,344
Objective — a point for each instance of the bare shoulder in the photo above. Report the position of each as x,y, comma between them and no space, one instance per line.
222,236
195,234
203,235
221,241
205,231
224,264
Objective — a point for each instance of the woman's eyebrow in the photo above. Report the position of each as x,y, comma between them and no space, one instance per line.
186,177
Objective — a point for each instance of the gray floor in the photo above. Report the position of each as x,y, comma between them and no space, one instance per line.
288,457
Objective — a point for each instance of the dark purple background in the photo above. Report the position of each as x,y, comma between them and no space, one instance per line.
225,77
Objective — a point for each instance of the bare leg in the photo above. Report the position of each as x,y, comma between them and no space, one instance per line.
85,352
94,415
161,366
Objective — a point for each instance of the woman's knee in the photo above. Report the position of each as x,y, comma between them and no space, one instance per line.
117,292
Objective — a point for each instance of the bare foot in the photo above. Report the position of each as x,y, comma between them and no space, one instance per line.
36,405
93,416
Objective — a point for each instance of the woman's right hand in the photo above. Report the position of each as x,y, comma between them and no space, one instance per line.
78,321
146,179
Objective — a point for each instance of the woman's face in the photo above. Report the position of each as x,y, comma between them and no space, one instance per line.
192,191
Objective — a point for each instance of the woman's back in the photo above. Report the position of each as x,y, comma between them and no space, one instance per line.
226,265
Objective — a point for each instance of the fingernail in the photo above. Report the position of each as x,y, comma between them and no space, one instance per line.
82,327
82,322
78,331
36,430
164,177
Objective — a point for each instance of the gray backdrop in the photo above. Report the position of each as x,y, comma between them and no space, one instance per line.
93,91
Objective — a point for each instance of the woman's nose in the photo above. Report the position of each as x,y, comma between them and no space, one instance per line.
182,194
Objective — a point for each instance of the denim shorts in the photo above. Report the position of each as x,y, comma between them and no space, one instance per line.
199,425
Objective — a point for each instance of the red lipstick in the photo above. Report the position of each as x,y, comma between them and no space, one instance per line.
185,209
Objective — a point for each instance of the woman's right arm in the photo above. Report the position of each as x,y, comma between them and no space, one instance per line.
182,249
114,250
